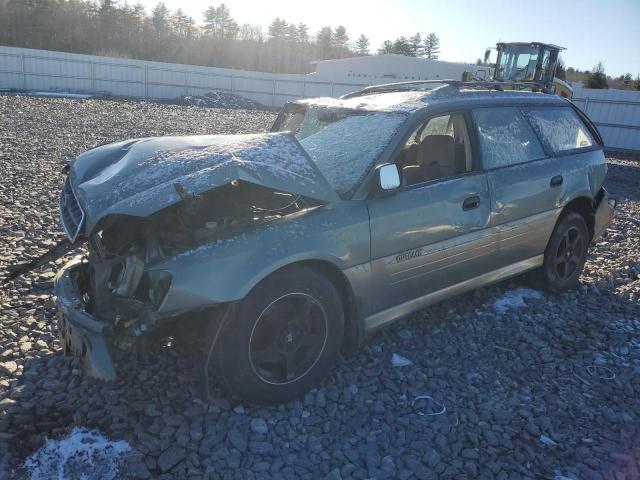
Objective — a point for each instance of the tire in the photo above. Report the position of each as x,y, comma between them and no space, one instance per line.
565,255
283,338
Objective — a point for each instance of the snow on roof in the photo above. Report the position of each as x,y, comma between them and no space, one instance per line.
413,100
393,102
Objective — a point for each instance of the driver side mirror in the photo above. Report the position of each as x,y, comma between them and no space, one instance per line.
389,177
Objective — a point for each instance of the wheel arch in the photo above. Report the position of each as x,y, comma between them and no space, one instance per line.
583,206
354,332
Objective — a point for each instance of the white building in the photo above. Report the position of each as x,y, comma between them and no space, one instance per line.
375,69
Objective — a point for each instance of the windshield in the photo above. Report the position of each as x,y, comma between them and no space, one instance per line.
344,144
517,63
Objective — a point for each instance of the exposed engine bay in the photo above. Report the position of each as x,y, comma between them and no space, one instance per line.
113,279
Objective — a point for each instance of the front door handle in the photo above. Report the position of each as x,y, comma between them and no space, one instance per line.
556,181
471,203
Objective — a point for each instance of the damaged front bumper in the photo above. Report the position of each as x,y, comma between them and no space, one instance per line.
605,207
81,334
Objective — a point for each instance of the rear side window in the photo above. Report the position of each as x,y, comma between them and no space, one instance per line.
506,138
560,128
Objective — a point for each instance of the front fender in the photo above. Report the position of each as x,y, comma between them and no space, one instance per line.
227,270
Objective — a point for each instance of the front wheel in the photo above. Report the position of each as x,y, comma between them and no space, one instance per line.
566,254
283,338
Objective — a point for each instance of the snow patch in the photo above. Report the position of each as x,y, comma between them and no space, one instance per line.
83,454
513,299
216,99
82,96
400,361
390,102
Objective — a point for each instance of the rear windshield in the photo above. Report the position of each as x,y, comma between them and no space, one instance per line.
344,144
560,128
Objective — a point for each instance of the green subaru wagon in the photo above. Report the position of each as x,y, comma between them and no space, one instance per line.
269,254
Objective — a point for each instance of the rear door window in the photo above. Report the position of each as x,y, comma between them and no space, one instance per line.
560,128
505,137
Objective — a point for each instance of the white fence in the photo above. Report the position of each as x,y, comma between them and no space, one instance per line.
32,70
616,113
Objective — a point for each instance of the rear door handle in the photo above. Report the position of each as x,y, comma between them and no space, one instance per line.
556,181
471,203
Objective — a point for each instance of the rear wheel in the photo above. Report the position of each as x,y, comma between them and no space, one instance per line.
283,338
565,255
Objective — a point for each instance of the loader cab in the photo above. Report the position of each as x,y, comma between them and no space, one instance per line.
527,62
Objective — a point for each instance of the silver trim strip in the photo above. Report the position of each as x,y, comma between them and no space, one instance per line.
380,319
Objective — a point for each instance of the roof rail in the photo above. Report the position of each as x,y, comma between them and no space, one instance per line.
416,86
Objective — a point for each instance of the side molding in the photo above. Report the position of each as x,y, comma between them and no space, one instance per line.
384,317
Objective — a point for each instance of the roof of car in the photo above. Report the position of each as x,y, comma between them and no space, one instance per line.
413,100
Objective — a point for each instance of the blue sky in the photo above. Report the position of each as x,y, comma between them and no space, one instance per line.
591,30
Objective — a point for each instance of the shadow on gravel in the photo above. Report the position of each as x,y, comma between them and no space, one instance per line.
548,388
624,179
51,395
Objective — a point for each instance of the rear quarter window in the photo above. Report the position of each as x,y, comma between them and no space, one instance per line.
560,128
505,137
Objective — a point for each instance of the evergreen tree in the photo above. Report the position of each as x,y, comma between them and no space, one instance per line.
401,46
183,25
597,77
324,39
362,45
431,46
210,19
416,45
340,37
303,33
386,47
278,29
160,19
219,24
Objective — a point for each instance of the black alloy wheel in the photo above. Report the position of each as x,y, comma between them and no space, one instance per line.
288,338
565,255
282,339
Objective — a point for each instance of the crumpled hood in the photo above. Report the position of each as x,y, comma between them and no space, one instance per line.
138,177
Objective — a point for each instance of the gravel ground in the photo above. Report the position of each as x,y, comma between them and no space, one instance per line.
547,388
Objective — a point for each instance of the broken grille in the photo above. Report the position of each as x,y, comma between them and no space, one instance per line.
71,214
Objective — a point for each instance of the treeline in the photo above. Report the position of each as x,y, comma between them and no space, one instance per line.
114,28
598,78
414,46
